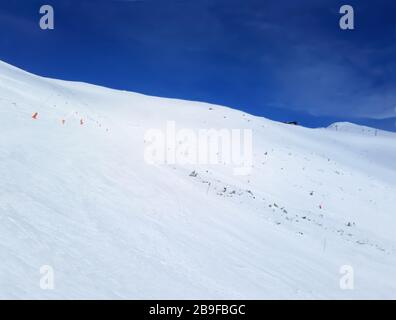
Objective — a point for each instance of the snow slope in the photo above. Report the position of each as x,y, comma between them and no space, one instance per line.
83,200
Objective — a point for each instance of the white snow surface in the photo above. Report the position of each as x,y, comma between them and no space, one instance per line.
82,200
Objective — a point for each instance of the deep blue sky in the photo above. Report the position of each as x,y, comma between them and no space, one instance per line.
282,59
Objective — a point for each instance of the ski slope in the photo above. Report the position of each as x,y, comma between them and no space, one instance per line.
83,200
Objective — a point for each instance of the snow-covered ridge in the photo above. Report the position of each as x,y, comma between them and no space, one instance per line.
81,199
359,129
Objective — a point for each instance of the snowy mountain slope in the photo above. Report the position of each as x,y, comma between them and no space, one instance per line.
82,199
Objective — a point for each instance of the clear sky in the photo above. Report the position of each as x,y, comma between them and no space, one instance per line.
282,59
